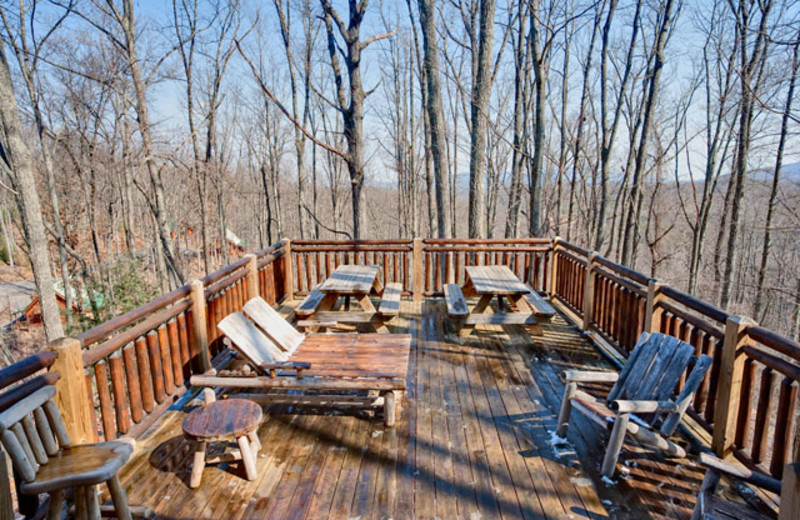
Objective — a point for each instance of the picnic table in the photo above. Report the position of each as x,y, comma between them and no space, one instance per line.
352,282
488,282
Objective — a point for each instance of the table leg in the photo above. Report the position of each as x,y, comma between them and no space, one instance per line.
480,308
522,305
328,301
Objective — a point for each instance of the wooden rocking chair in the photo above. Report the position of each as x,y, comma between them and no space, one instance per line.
34,435
645,386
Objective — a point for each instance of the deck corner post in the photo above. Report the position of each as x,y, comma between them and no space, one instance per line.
252,275
71,399
416,269
199,323
288,278
730,382
588,292
790,492
553,266
652,320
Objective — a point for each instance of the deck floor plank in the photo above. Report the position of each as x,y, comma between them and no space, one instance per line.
472,442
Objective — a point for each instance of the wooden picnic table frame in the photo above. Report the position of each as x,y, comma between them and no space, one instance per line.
351,282
497,281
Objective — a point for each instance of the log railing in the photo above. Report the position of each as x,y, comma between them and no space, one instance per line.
444,260
117,378
748,400
312,261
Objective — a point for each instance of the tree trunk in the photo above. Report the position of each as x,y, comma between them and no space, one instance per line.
748,91
481,93
15,155
435,112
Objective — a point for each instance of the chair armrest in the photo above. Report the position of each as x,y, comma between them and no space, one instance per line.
297,366
623,406
590,376
740,472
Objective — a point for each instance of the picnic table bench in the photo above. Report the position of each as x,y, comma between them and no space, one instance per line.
489,282
351,282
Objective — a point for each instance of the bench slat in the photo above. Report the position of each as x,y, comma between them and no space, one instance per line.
310,304
390,300
456,303
501,319
542,308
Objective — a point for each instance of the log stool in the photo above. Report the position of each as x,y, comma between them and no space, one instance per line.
237,419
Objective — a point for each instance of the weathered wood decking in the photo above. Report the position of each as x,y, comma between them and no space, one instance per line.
473,442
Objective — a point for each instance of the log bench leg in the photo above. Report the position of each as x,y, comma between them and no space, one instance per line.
248,459
389,408
198,464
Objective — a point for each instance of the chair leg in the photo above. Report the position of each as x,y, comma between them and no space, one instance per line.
247,457
198,464
615,444
80,503
56,504
119,498
92,503
708,487
566,409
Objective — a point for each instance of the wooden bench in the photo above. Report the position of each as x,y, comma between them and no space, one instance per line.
542,308
309,306
390,300
456,303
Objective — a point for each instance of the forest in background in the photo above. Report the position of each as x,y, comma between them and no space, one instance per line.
660,133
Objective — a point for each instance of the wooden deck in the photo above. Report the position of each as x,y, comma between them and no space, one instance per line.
473,442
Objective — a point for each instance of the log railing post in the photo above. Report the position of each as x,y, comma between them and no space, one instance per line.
652,320
790,492
75,408
199,323
416,269
288,278
730,382
588,292
252,275
553,266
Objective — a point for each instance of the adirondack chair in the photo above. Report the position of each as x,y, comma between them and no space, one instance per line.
645,386
34,435
325,364
711,507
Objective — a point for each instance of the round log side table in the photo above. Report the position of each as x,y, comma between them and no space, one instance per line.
237,419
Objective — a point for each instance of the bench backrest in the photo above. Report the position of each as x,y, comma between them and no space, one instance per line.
248,340
653,371
273,324
32,431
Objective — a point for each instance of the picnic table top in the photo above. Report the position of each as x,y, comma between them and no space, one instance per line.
494,279
351,279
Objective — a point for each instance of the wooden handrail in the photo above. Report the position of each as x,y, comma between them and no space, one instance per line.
28,366
123,320
108,347
775,341
696,304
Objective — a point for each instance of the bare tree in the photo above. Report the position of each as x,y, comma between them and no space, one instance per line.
16,160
